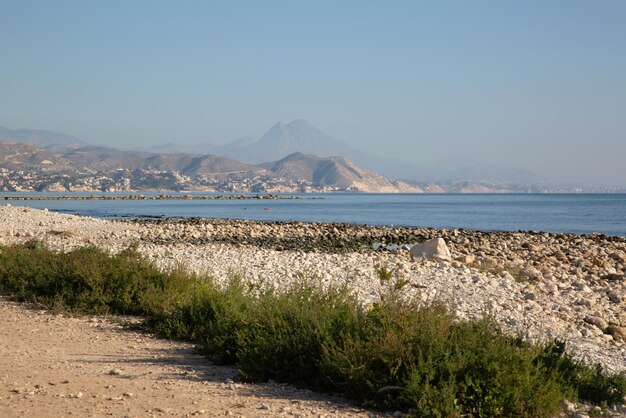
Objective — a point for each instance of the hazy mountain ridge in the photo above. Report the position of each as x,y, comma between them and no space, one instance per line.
107,159
296,172
245,158
40,137
18,157
300,135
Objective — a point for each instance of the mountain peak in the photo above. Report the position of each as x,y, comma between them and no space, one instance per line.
284,139
300,123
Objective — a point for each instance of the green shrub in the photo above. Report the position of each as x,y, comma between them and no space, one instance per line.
284,336
88,280
210,316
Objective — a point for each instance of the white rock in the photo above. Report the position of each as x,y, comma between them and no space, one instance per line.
433,249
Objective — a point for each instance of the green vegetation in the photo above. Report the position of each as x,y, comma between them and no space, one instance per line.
395,354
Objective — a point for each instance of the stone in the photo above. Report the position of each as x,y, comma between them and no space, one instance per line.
466,259
530,296
569,407
614,277
614,297
596,321
433,249
531,273
115,372
618,333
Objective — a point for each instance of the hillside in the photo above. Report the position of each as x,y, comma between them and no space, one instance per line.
41,138
26,157
335,172
28,167
107,159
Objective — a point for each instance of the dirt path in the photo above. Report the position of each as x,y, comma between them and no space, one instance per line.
53,365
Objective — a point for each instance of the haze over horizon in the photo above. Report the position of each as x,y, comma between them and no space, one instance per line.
534,85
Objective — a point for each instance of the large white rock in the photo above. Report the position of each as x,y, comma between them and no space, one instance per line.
433,249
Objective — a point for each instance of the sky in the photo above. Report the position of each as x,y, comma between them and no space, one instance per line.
539,85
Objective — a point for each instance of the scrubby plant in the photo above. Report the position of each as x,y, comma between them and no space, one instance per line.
88,280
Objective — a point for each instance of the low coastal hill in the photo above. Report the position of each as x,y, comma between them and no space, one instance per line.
20,157
335,172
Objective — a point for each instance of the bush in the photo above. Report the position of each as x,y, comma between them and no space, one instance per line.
212,317
286,332
88,280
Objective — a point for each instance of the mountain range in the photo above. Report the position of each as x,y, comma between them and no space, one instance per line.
138,170
48,139
297,151
299,135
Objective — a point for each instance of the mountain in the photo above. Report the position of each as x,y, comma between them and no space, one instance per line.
103,168
27,157
301,136
335,172
27,167
41,138
284,139
217,165
107,159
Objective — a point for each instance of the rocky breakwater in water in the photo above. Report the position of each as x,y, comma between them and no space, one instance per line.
151,197
544,285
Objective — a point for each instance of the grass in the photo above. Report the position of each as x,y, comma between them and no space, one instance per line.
395,354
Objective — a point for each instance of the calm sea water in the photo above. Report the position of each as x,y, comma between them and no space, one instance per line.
577,213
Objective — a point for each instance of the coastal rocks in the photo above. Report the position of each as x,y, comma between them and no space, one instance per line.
466,259
597,321
618,333
614,297
530,273
433,249
614,277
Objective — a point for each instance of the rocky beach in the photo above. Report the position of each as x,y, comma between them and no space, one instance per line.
543,285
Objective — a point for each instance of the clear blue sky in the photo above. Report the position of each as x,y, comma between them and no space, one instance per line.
533,84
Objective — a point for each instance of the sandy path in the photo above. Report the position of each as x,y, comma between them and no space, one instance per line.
53,365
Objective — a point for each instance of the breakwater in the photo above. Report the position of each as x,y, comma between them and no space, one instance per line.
154,197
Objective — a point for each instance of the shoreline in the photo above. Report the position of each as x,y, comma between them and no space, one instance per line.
538,213
544,285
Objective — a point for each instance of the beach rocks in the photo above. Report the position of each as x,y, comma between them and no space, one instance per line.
565,277
466,259
614,277
597,321
529,272
618,333
614,296
433,249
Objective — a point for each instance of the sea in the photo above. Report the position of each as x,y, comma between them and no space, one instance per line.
575,213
